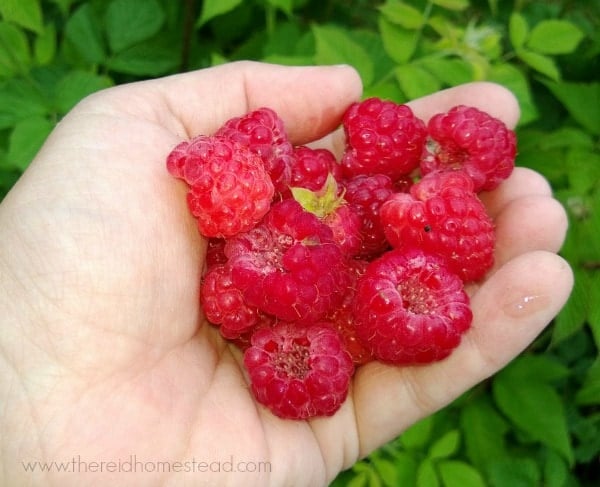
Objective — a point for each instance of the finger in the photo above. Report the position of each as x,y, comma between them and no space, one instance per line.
521,183
310,100
510,310
529,223
488,97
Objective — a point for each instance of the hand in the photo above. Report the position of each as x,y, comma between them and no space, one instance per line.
104,352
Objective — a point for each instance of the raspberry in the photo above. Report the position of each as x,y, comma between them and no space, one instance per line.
469,139
366,194
299,371
224,304
342,318
442,215
332,209
264,133
382,137
289,265
410,309
311,167
345,223
215,252
230,190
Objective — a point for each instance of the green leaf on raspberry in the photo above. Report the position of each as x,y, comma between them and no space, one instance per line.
320,203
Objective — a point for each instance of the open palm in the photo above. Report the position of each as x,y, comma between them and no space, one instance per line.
104,352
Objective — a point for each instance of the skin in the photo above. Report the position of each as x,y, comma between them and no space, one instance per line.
104,351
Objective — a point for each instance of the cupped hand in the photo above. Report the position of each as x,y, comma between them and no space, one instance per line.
107,366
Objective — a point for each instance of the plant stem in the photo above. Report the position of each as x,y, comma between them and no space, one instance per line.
188,29
270,19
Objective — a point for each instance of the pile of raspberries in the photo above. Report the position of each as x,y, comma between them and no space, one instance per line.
316,266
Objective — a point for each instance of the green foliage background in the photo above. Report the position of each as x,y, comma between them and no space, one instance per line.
537,422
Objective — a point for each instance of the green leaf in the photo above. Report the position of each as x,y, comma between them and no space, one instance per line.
518,30
572,316
539,62
386,90
568,138
583,168
446,446
284,40
406,468
14,51
26,139
335,46
589,394
521,402
83,31
75,86
20,100
45,45
581,100
399,43
452,4
214,8
129,22
514,472
426,475
594,310
372,43
483,430
554,37
360,480
512,78
64,5
584,212
26,13
386,470
456,473
402,14
322,202
153,58
415,81
493,4
418,435
555,470
285,6
535,368
451,72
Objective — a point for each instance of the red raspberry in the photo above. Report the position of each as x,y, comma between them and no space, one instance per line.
442,215
311,167
345,223
410,309
289,265
230,190
469,139
366,194
264,133
332,209
343,320
382,137
299,371
224,304
215,252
